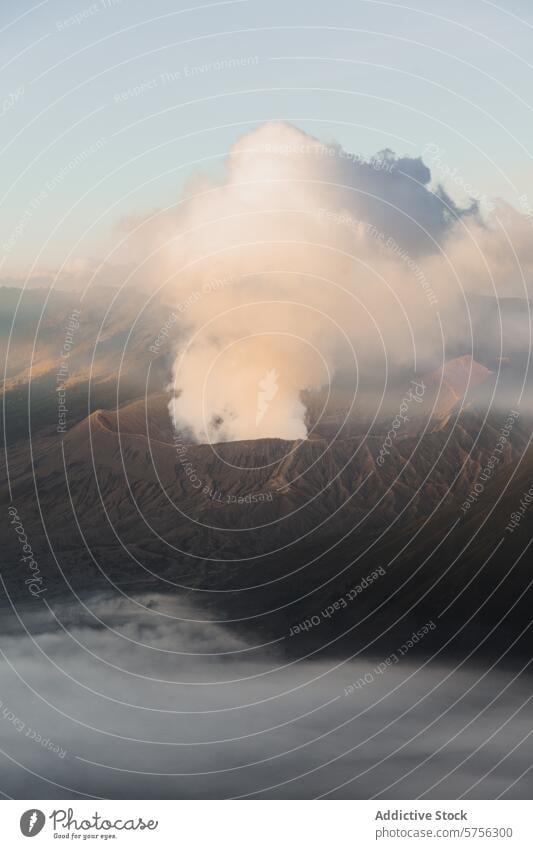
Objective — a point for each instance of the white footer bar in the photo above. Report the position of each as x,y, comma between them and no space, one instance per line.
267,824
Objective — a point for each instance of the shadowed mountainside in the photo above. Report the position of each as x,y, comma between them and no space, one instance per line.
269,532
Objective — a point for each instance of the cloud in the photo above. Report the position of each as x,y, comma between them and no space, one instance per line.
319,266
150,707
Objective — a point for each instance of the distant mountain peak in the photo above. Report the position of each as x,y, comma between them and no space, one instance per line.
450,383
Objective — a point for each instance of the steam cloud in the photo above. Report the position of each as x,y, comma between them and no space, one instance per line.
310,264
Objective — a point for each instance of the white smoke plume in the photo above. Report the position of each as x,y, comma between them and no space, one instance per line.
311,264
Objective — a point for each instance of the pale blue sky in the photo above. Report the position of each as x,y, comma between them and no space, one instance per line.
368,74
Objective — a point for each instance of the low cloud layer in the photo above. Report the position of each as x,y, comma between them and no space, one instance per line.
140,699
